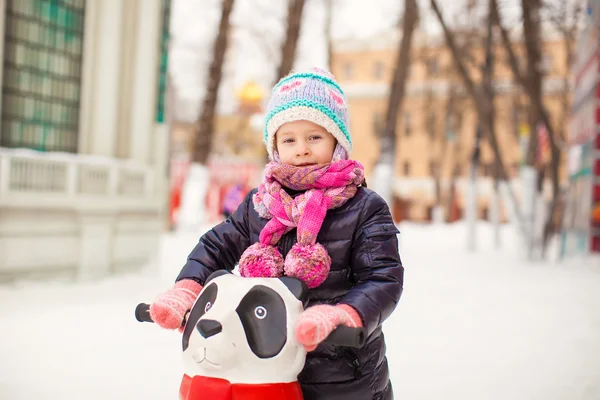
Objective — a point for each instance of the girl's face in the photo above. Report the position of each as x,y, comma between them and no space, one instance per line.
302,143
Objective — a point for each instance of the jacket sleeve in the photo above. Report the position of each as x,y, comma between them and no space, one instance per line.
221,247
376,268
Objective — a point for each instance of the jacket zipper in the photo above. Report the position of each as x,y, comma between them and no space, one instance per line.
355,362
286,242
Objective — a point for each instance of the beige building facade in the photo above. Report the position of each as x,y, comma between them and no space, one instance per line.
437,123
83,137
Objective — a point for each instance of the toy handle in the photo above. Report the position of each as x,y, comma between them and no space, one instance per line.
341,336
142,313
346,336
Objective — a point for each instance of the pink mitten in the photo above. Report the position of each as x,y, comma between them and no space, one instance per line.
168,310
317,322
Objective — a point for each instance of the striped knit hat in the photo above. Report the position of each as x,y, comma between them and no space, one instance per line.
312,96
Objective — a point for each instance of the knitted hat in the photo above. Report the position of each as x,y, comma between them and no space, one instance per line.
312,96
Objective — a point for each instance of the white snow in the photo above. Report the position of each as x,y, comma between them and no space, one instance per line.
482,325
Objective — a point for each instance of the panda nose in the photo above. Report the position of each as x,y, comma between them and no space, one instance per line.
208,327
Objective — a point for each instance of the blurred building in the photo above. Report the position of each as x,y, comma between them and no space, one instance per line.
83,144
238,154
436,129
581,224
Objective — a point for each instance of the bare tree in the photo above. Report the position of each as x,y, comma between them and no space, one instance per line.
481,103
436,136
288,48
565,21
397,89
328,36
519,76
565,17
205,132
531,31
532,88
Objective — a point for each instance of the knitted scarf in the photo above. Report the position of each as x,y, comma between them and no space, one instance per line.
326,186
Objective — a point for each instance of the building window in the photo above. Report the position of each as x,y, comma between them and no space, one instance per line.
348,70
486,169
378,124
431,124
164,58
407,124
43,47
378,70
433,168
406,168
433,66
546,64
458,119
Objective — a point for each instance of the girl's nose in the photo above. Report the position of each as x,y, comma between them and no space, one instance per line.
303,149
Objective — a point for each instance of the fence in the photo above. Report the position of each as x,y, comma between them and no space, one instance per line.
65,180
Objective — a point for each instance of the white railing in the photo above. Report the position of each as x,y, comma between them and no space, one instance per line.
60,179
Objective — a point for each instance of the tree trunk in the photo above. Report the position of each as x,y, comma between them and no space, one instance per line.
328,37
568,37
521,79
531,26
481,107
457,161
205,129
489,95
531,31
437,175
288,49
388,140
384,170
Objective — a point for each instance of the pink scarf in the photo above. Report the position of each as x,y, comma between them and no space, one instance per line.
326,187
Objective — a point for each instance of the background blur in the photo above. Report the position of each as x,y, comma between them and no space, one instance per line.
128,125
106,105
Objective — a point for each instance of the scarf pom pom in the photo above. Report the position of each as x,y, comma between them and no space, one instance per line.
310,264
261,261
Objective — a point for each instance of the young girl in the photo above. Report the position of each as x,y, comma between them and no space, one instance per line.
311,218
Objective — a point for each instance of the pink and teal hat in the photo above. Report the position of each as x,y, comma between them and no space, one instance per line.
314,96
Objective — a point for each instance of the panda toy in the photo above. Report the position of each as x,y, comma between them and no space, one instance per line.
238,342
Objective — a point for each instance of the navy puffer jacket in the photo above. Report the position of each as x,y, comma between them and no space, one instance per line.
366,273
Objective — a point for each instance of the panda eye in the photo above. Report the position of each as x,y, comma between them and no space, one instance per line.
260,312
207,306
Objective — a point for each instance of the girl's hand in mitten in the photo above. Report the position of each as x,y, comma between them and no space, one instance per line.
317,322
168,310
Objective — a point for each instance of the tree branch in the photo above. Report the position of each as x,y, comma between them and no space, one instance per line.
521,80
482,106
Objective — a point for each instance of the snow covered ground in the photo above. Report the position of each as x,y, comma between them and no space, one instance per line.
481,325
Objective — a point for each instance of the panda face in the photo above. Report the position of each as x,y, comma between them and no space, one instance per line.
263,315
204,302
239,330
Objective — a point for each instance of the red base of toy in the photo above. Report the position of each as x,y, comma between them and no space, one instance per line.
203,388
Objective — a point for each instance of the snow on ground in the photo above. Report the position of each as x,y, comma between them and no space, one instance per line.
482,325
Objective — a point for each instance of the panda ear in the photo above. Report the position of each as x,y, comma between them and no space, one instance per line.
297,287
216,274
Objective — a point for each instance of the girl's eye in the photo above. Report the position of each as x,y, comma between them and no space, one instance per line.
288,141
316,137
260,312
